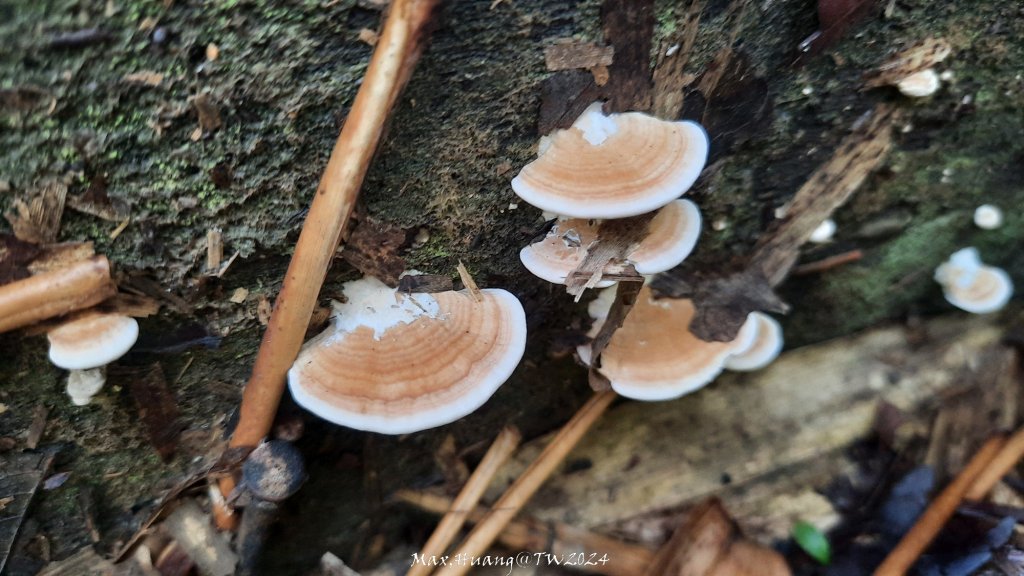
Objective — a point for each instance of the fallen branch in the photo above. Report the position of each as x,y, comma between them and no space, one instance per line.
392,63
556,538
1008,457
55,293
502,448
506,508
939,511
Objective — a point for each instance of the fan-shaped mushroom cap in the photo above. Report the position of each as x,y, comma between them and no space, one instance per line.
973,286
396,363
763,350
614,166
671,237
654,356
92,340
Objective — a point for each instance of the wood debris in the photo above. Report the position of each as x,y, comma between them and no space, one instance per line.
629,27
80,39
55,293
570,54
264,309
708,543
20,477
212,52
239,295
133,305
38,220
368,37
625,299
214,249
207,111
155,405
55,256
468,282
95,202
35,430
15,257
452,467
425,283
670,76
143,78
915,58
723,300
615,239
835,17
85,561
209,549
373,248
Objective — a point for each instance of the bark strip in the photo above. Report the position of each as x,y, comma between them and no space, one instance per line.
55,293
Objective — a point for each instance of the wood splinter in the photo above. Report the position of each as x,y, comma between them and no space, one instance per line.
55,293
391,65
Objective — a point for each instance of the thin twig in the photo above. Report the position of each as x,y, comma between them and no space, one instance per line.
390,67
828,263
506,508
939,511
556,538
1005,460
500,451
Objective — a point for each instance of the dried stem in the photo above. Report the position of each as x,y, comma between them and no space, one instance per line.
557,538
500,451
393,59
529,482
55,293
1000,466
939,511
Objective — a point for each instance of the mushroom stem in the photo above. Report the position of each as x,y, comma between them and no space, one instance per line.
457,514
939,511
506,508
55,293
84,384
396,53
555,538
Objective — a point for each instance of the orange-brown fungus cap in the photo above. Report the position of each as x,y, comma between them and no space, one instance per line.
672,235
396,363
654,356
614,166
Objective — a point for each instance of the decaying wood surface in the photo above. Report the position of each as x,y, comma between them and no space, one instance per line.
794,416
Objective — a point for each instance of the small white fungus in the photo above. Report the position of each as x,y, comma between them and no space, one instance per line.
988,217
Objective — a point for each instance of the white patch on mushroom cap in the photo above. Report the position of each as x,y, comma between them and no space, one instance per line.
374,304
595,126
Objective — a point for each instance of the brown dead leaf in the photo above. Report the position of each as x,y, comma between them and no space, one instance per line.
568,54
425,283
156,406
207,111
95,202
15,256
913,59
373,249
143,78
38,219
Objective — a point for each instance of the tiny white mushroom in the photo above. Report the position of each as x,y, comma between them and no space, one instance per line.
988,217
920,84
824,232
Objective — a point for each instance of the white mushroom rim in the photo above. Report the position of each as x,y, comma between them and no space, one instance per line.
397,363
613,166
672,237
765,348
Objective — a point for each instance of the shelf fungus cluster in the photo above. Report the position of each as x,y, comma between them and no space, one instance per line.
614,183
395,363
973,286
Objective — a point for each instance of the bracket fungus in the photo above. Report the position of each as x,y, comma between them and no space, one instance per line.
86,345
971,285
654,356
396,363
613,166
763,350
671,236
920,84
